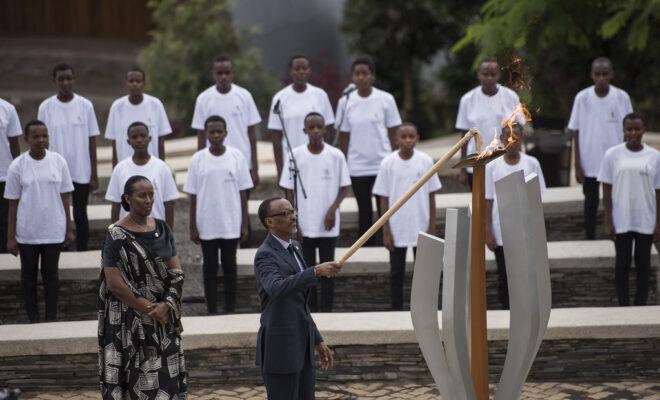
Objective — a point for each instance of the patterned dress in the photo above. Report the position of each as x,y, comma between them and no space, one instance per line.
140,358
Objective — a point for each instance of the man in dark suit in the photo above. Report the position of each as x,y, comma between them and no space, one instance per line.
288,335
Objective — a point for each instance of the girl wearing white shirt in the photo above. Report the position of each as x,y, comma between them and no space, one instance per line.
369,121
38,187
293,103
630,173
397,173
217,182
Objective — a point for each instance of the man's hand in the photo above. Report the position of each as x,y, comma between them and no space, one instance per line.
579,174
194,234
463,176
329,221
609,228
244,232
490,240
254,174
325,354
68,238
12,246
160,313
388,241
93,184
327,269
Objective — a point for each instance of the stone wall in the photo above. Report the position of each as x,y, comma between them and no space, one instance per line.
564,360
359,292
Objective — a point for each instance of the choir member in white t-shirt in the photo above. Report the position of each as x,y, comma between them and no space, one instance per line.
144,164
10,130
136,106
397,173
217,182
294,102
630,173
38,187
325,175
236,105
72,130
513,160
485,107
596,120
369,120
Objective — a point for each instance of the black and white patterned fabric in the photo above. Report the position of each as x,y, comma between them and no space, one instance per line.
140,358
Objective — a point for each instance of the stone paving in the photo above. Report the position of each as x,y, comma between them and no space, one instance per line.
402,390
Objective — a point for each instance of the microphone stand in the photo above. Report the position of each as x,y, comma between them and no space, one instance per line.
346,95
294,172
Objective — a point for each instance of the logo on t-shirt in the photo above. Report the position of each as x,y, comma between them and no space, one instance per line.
230,177
326,174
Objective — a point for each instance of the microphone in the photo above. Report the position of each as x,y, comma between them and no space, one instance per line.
350,89
276,108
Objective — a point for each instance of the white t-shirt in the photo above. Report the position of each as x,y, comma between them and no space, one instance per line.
123,113
367,119
497,170
156,170
295,107
238,109
217,181
70,125
10,126
395,177
38,185
323,175
634,176
599,121
487,113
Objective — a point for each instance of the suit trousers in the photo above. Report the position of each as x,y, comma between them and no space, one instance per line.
623,244
326,246
590,188
80,198
298,386
227,249
50,256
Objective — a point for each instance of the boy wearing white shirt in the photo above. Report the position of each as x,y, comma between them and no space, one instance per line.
236,105
142,163
10,130
369,120
38,187
630,173
72,129
293,103
136,106
397,173
596,120
325,175
485,107
218,181
512,161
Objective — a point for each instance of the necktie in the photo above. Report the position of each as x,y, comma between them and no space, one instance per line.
293,256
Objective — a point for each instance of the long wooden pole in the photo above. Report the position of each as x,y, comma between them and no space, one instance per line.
399,203
478,328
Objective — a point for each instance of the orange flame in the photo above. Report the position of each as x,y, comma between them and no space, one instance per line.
519,112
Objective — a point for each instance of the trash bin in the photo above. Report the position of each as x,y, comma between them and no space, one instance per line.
551,144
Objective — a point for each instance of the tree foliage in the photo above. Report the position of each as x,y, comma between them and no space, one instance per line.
187,36
557,41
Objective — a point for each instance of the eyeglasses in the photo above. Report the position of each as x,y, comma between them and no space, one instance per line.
285,213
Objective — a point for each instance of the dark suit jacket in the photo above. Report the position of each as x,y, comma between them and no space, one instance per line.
286,323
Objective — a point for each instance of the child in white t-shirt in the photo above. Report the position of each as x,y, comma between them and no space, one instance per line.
596,120
154,169
136,106
236,105
369,121
397,173
630,173
38,187
217,182
485,107
72,130
513,160
10,130
324,173
292,104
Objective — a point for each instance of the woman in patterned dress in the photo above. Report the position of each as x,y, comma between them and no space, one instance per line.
140,353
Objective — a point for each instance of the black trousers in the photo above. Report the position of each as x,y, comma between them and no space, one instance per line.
502,283
326,246
4,209
590,188
80,198
227,249
297,386
398,275
50,256
469,179
623,244
362,190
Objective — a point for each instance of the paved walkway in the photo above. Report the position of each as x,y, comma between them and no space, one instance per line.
401,390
